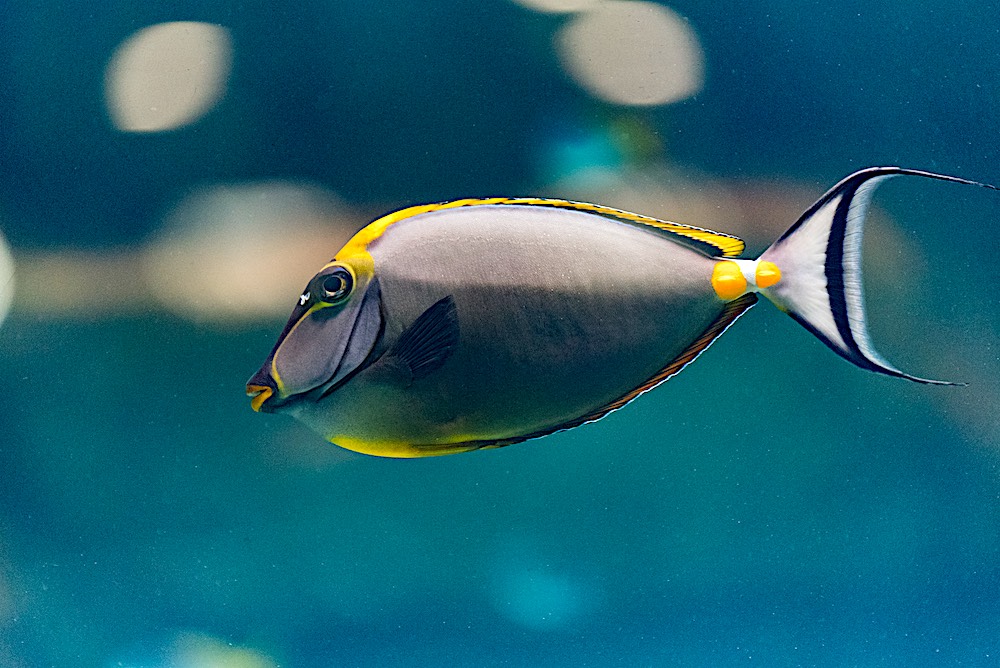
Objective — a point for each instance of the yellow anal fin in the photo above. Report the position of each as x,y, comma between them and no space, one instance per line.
436,450
397,449
433,450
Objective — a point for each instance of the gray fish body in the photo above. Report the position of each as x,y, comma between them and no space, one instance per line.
483,322
559,312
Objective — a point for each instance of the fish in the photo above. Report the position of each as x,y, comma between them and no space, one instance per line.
481,323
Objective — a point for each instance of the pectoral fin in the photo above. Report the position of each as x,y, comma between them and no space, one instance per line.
426,345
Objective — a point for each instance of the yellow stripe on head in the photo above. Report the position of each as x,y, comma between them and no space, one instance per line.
357,247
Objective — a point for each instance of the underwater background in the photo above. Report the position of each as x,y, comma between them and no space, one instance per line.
171,175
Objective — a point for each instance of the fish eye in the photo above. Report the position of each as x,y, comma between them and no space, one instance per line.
337,285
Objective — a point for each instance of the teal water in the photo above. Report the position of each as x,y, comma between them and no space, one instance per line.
772,505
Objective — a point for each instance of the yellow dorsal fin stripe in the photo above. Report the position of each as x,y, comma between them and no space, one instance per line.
727,245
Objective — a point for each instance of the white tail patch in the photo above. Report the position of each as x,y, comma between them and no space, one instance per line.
820,262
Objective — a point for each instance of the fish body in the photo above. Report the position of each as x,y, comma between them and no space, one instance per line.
481,323
551,326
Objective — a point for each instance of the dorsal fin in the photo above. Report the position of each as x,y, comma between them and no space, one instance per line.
732,311
712,244
708,242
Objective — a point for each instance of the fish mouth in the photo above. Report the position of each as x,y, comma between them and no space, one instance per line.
258,395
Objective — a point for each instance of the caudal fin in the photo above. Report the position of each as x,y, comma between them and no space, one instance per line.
820,262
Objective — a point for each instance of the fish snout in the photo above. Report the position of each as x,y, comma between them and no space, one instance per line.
260,388
259,394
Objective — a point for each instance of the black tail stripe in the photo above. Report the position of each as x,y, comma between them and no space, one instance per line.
834,270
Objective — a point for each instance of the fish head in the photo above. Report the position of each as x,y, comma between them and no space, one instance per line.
331,333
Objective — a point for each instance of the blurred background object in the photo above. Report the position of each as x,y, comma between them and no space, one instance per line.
557,6
6,278
173,174
238,252
167,75
632,53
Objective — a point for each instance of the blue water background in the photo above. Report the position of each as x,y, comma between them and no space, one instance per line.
772,505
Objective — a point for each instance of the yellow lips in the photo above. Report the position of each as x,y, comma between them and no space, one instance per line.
258,395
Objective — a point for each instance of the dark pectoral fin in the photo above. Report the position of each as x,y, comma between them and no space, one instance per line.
428,343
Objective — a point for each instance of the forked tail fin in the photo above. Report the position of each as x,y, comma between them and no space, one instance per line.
820,262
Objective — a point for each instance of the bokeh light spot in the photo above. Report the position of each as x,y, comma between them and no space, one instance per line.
238,253
202,651
538,599
536,594
6,278
167,75
557,6
632,53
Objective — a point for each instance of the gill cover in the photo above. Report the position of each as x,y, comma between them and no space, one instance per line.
330,334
